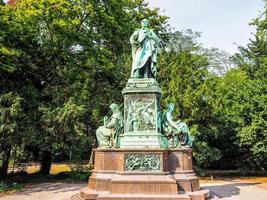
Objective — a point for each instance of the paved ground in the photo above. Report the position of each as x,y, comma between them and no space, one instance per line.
227,189
46,191
237,189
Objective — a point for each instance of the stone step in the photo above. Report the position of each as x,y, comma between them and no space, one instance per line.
143,197
88,194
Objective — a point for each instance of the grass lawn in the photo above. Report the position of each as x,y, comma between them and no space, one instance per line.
55,169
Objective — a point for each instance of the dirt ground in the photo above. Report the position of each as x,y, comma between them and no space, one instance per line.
224,189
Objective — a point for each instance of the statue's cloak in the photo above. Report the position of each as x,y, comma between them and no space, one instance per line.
143,48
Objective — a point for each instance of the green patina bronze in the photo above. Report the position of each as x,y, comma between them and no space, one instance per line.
142,162
142,125
177,132
108,135
144,52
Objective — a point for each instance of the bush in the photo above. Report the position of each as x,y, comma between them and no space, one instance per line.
80,171
4,187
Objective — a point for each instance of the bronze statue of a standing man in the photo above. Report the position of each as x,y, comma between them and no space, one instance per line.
144,51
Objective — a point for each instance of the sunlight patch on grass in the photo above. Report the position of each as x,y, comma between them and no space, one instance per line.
58,168
55,169
32,169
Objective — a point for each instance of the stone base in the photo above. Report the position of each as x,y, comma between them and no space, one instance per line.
154,174
145,140
142,125
86,194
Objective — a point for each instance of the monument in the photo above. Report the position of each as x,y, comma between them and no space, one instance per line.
143,154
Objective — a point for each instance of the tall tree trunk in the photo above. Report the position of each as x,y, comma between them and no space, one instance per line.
46,162
4,167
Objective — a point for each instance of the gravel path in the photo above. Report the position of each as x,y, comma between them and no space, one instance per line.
232,189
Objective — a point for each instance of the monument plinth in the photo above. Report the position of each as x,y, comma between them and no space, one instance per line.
142,123
142,173
143,154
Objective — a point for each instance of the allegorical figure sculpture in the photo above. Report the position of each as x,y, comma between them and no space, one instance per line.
144,52
107,135
177,132
141,116
147,116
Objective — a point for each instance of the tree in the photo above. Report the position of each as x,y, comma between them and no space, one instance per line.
220,62
11,127
182,76
64,59
252,134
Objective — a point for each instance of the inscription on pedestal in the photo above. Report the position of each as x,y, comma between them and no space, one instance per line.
142,162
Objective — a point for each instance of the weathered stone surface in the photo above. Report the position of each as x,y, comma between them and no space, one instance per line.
142,162
142,85
142,123
173,179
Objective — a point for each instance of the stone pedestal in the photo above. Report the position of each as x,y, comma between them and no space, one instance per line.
143,174
142,167
142,125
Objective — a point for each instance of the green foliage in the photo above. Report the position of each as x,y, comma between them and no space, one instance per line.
66,59
226,111
62,63
9,187
80,172
183,80
11,126
205,155
252,134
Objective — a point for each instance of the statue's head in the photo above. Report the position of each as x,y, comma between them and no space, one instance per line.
114,107
145,23
171,107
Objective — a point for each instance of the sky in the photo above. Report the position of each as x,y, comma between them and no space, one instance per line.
224,23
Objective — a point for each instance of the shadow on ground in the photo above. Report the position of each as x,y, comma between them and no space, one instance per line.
227,190
51,187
